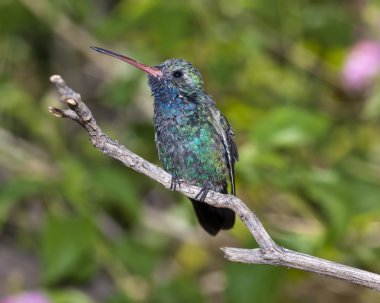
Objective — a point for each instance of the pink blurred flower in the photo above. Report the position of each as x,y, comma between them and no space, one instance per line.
26,297
361,66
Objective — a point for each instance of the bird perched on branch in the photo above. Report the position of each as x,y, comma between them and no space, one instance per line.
194,140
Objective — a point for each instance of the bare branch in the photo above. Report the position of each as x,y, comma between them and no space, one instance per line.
293,259
268,253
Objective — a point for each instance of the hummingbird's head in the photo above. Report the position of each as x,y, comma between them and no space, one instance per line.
176,73
180,74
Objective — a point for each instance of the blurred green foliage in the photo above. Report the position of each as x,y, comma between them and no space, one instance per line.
309,150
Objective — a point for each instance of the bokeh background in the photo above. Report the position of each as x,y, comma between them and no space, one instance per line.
297,81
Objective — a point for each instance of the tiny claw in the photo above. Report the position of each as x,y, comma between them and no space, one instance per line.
71,102
201,196
56,112
174,183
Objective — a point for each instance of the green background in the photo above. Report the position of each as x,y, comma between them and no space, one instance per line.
83,228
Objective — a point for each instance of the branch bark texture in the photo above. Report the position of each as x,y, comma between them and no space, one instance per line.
267,253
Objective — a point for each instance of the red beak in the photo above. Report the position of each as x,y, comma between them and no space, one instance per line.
149,70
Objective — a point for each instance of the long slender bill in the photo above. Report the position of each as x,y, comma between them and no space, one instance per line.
150,70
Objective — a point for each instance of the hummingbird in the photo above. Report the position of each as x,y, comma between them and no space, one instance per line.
194,140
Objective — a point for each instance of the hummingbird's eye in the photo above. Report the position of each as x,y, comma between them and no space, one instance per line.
177,74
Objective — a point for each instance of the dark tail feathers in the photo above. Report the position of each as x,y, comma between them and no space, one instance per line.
213,219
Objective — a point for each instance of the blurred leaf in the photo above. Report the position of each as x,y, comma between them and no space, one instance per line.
13,192
117,191
69,296
257,281
192,257
138,257
372,106
75,183
67,249
181,289
121,93
329,191
289,127
119,298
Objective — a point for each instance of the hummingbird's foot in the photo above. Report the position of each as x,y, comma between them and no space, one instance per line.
201,196
175,182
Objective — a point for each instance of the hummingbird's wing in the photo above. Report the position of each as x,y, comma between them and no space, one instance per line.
231,150
226,134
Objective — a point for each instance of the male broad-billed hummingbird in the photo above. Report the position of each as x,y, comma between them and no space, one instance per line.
194,140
